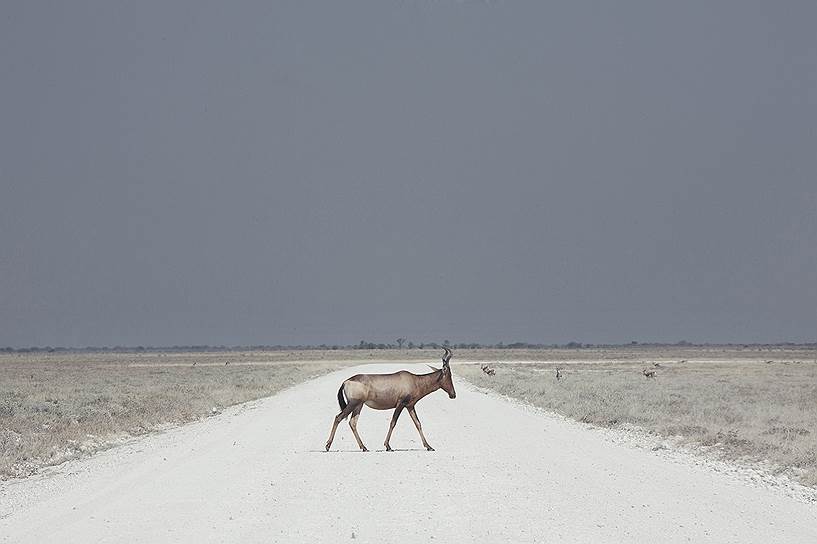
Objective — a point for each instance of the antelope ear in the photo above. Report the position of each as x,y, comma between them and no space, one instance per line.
432,368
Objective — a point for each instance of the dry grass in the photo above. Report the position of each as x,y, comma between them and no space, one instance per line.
55,407
755,410
60,405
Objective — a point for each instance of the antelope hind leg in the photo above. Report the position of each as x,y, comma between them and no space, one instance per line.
353,425
338,418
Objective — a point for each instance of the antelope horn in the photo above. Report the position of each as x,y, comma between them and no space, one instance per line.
447,356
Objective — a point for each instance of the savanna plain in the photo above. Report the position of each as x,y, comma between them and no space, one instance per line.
752,405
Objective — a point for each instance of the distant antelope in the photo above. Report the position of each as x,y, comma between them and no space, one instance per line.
648,373
386,391
558,373
488,370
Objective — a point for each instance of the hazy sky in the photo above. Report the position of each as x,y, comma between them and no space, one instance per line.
309,172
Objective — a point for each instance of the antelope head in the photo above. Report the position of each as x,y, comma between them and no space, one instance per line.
446,383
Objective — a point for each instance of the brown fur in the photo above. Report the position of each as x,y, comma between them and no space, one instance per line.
396,391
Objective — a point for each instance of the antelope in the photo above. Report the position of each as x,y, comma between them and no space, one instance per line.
386,391
648,373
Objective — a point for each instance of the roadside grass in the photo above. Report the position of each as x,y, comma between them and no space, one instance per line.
57,408
757,412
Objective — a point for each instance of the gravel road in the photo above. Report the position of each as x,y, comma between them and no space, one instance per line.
501,473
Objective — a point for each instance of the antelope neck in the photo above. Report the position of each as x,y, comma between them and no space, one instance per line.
429,382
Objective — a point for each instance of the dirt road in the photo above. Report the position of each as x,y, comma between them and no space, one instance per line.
501,473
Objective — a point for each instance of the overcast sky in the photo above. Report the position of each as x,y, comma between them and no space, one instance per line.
310,172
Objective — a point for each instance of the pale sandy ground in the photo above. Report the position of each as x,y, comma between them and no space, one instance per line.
501,473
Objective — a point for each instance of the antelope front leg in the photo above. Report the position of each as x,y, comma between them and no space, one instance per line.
393,423
413,413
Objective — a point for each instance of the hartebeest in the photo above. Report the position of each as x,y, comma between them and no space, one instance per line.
386,391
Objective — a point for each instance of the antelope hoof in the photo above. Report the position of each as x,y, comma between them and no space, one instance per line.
364,448
327,446
388,448
429,448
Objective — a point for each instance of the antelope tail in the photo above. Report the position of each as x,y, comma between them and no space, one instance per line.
341,400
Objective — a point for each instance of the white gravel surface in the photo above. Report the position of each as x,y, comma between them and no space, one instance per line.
501,473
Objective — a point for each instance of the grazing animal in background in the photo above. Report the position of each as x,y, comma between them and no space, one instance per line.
657,365
194,363
648,373
488,370
226,363
558,373
398,391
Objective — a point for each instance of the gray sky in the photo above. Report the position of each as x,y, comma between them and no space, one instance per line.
308,172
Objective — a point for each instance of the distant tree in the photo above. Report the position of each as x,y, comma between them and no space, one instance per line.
400,342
